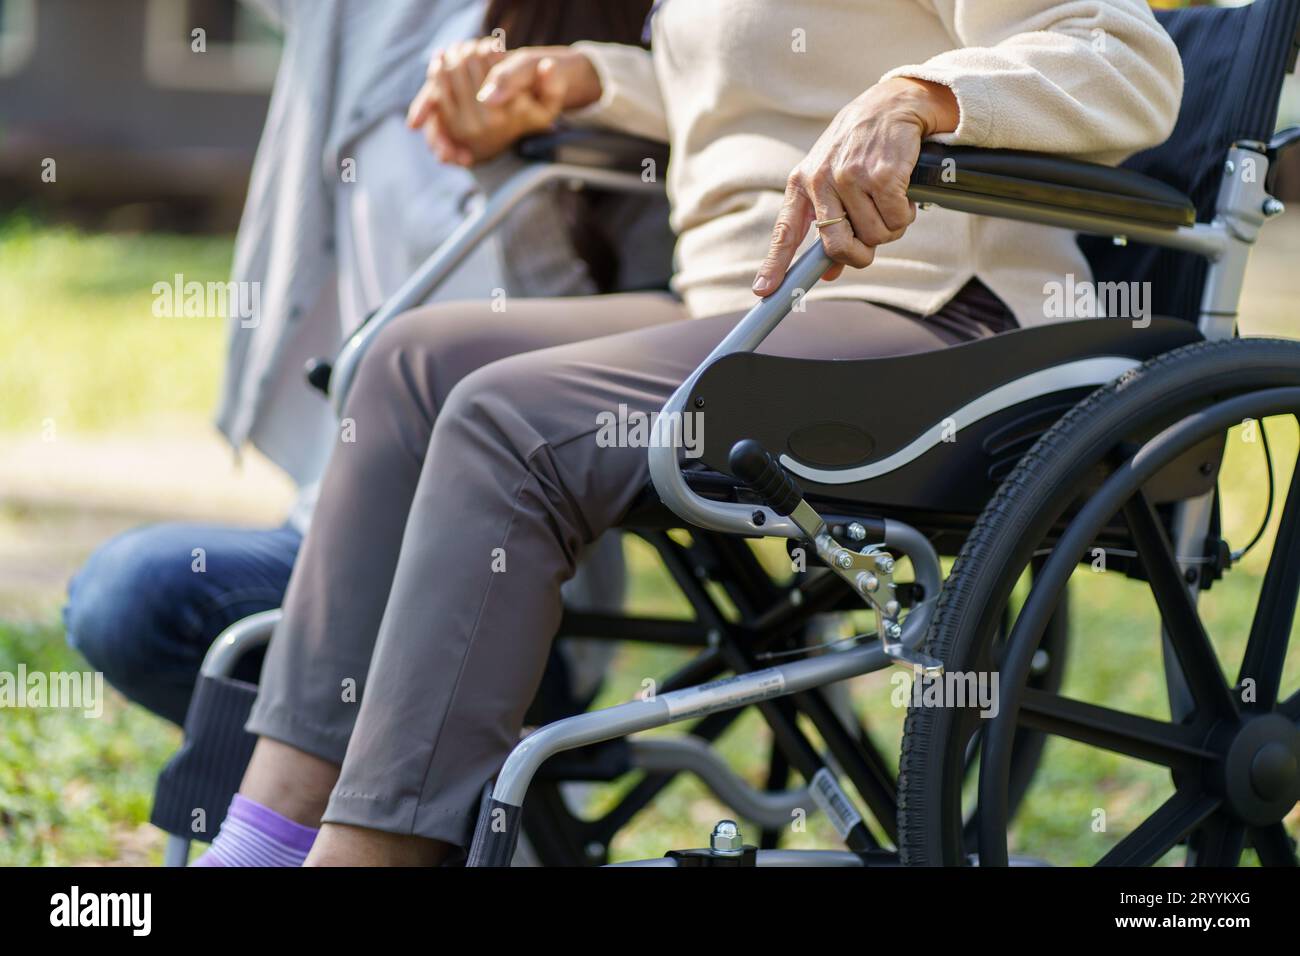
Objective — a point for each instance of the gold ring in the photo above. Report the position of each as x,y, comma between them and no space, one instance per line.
823,223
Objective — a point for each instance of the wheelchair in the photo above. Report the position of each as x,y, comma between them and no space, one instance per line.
1021,457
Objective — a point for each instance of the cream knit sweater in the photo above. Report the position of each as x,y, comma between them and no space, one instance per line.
741,89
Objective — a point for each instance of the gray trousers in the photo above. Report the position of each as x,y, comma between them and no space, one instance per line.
466,482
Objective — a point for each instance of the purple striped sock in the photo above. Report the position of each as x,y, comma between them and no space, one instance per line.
254,835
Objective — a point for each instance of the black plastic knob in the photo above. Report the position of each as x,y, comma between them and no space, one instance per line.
750,462
318,372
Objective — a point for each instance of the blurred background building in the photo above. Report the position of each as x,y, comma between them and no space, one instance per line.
143,130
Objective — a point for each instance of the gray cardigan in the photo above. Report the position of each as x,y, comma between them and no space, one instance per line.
345,66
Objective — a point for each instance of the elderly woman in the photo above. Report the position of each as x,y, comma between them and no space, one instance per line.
782,119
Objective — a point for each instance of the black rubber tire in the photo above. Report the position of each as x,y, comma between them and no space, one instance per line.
1034,496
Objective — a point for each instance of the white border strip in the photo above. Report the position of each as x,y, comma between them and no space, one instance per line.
1058,378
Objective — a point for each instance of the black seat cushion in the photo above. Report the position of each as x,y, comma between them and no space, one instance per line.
851,414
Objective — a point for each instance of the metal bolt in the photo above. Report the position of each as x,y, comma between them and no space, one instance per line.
857,532
726,839
885,563
1273,207
699,402
759,518
1229,168
868,582
893,630
844,560
891,608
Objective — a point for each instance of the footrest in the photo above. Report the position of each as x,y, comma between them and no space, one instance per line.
195,788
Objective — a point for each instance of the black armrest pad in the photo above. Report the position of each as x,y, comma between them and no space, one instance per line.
1042,179
597,148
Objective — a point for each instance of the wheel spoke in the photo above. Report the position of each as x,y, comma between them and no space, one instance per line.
1270,631
1290,708
1161,831
1218,843
1182,623
1170,745
1274,845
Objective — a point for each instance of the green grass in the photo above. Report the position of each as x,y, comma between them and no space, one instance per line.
83,348
74,789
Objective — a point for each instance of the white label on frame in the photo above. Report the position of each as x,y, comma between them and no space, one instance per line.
834,802
727,693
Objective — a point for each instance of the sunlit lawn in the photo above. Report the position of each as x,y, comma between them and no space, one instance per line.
81,347
79,343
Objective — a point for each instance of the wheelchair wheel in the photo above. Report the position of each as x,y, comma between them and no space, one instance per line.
1046,673
1230,751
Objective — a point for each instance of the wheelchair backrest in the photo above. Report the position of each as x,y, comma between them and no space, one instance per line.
1234,62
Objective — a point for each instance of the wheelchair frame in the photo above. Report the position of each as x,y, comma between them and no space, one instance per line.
1241,210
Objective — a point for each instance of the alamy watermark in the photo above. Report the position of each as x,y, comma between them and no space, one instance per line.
181,299
1074,299
59,690
960,689
631,428
133,911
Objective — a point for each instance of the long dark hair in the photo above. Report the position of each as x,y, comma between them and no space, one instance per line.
561,22
555,22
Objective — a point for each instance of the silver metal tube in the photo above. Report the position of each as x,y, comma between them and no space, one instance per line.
472,230
237,640
176,852
749,332
693,755
807,858
925,560
656,861
624,719
774,858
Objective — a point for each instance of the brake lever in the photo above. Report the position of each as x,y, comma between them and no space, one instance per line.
870,571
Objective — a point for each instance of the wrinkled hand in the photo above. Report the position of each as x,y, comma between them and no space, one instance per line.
477,99
859,168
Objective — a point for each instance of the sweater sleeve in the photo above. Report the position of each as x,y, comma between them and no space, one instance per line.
630,101
1094,79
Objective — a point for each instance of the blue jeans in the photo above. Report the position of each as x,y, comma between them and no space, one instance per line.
147,605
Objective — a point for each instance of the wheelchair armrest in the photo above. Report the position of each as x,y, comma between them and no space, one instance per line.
597,148
596,160
1024,181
